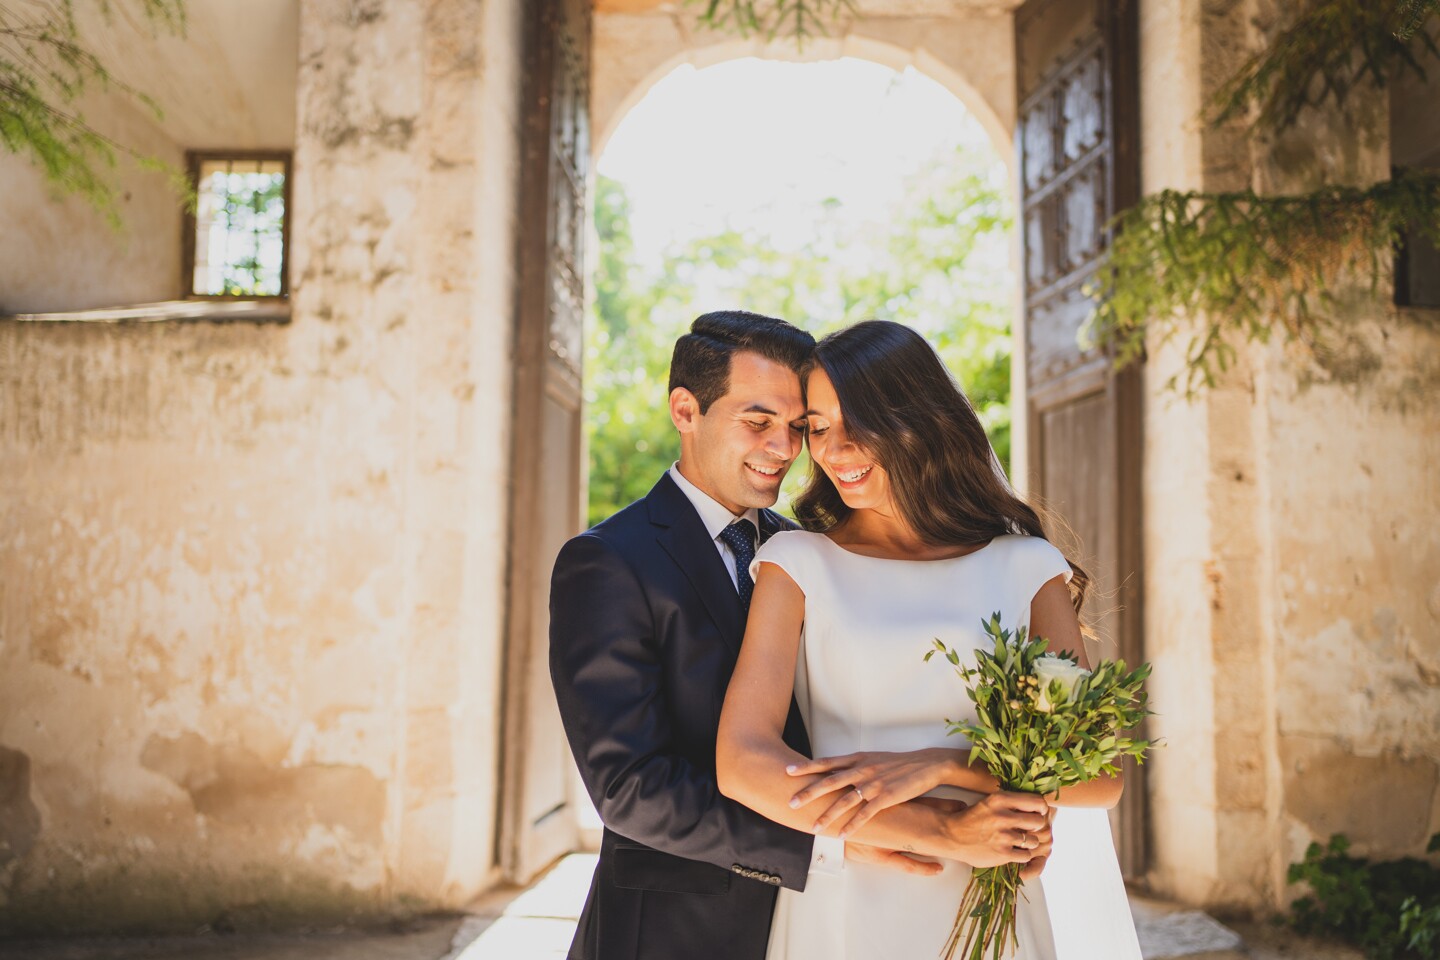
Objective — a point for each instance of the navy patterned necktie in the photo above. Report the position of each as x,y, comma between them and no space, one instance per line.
740,538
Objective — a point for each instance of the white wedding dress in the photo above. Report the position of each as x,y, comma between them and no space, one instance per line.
862,684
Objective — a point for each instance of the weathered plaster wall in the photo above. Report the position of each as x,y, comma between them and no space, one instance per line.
1291,537
251,576
227,83
1353,437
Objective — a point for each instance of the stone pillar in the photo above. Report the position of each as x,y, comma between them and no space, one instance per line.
406,174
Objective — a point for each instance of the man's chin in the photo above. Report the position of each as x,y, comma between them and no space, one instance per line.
762,498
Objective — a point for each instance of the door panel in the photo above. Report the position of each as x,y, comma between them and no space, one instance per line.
538,819
1078,157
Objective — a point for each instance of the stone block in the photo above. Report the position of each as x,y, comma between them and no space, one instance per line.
1382,803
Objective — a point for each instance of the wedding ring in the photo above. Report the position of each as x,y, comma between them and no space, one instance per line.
859,793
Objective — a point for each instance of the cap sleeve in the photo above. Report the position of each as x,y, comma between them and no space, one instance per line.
788,551
1042,562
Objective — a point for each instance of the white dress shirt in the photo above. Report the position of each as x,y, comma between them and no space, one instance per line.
827,857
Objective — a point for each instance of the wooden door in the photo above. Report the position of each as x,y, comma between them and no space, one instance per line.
537,815
1077,146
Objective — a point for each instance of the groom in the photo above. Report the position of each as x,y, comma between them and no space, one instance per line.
646,615
647,611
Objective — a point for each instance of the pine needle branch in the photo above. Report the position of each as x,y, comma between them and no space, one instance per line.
1332,47
799,20
45,69
1239,267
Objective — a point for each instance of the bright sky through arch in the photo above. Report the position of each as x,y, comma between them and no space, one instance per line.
756,145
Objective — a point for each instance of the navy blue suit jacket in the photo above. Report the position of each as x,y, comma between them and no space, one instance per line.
645,629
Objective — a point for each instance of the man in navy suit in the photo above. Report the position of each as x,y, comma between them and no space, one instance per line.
647,611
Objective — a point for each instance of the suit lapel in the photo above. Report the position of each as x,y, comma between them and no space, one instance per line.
771,523
684,538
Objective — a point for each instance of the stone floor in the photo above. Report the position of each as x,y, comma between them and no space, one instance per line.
536,924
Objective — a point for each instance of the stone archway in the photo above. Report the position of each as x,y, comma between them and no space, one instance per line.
971,54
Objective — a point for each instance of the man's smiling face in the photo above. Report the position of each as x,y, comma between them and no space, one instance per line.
740,449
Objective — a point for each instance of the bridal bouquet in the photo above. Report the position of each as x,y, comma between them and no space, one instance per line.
1043,722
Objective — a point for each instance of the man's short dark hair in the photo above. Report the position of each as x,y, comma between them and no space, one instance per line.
701,362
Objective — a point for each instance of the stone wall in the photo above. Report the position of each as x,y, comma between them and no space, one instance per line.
251,576
1293,553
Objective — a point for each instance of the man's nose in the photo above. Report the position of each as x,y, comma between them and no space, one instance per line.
782,442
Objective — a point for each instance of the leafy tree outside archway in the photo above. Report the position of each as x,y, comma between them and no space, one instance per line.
926,267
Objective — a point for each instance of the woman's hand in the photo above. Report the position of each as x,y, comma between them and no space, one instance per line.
1002,828
860,785
1040,855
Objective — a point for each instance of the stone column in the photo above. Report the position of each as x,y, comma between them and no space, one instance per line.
406,174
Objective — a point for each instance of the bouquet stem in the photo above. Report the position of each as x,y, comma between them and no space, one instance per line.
986,918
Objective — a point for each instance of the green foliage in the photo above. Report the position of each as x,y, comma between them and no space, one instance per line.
1228,267
45,68
627,361
1331,47
800,20
1231,268
1413,13
1035,739
920,268
1390,909
1029,748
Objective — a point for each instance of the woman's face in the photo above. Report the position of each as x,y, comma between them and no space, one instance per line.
863,483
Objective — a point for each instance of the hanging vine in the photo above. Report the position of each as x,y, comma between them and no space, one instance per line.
1413,13
800,20
1333,47
1241,267
1247,264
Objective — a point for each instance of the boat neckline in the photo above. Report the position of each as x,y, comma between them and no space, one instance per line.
866,556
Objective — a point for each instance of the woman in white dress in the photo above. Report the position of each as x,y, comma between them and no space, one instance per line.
911,533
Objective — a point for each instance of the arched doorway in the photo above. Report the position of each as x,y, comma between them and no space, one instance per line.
589,76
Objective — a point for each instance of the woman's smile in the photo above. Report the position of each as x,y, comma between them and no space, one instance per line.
852,478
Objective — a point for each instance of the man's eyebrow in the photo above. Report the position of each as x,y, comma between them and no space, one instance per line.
757,408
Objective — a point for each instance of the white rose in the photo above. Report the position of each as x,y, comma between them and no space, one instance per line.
1067,672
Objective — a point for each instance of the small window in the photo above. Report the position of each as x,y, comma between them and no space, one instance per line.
1415,145
237,241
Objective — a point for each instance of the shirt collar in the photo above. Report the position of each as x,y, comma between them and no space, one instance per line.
715,516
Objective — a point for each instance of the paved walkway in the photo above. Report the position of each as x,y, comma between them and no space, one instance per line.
536,924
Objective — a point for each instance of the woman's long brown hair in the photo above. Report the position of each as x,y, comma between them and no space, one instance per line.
901,404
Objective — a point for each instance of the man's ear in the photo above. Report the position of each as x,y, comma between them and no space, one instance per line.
684,410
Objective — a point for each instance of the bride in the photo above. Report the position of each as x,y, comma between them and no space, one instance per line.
911,534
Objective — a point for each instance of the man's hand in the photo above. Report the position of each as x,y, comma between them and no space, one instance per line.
1002,828
891,859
